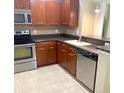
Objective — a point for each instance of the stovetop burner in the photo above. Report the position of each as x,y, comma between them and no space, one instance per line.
23,37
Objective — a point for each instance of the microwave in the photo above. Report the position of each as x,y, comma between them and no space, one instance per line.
22,16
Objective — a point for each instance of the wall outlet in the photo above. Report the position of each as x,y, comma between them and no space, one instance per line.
35,31
107,43
56,31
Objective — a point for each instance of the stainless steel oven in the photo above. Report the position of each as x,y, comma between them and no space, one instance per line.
24,52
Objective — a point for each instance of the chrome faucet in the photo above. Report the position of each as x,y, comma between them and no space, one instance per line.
79,40
79,34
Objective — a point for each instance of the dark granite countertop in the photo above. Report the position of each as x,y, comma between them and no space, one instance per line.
104,48
92,48
53,39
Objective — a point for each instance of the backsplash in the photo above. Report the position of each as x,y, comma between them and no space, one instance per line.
43,32
72,32
40,30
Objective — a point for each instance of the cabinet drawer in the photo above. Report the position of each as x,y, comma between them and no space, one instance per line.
41,44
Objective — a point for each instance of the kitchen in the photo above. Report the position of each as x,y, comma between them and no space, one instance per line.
60,45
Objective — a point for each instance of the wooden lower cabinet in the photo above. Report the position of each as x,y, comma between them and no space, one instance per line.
59,53
45,53
64,55
50,52
71,60
67,57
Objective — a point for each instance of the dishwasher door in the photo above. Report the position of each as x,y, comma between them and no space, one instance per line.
86,69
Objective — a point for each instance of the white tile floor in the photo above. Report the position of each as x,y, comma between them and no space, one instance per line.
48,79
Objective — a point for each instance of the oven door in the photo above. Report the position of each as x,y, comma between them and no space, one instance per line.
24,53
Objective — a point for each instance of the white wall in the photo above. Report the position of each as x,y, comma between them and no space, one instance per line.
87,13
86,18
99,21
90,23
108,30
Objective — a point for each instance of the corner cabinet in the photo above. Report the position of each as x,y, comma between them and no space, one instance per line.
67,57
50,52
71,61
64,52
22,4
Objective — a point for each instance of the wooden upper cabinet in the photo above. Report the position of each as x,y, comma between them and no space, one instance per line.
70,9
38,8
54,12
65,12
22,4
74,12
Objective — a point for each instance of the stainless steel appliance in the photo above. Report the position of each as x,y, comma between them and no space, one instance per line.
22,16
24,52
86,68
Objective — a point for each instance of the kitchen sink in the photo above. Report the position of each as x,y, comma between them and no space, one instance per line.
77,42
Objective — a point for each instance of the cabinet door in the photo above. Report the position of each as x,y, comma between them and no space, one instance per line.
22,4
53,12
64,58
51,54
59,53
45,53
72,58
38,8
64,55
65,12
41,53
74,5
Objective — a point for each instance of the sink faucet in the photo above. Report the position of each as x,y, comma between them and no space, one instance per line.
79,34
79,40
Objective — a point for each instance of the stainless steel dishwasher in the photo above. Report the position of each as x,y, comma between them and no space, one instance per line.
86,68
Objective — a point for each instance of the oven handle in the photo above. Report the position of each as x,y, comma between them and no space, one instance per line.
25,45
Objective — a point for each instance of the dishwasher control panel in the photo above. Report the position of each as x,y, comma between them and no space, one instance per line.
88,54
